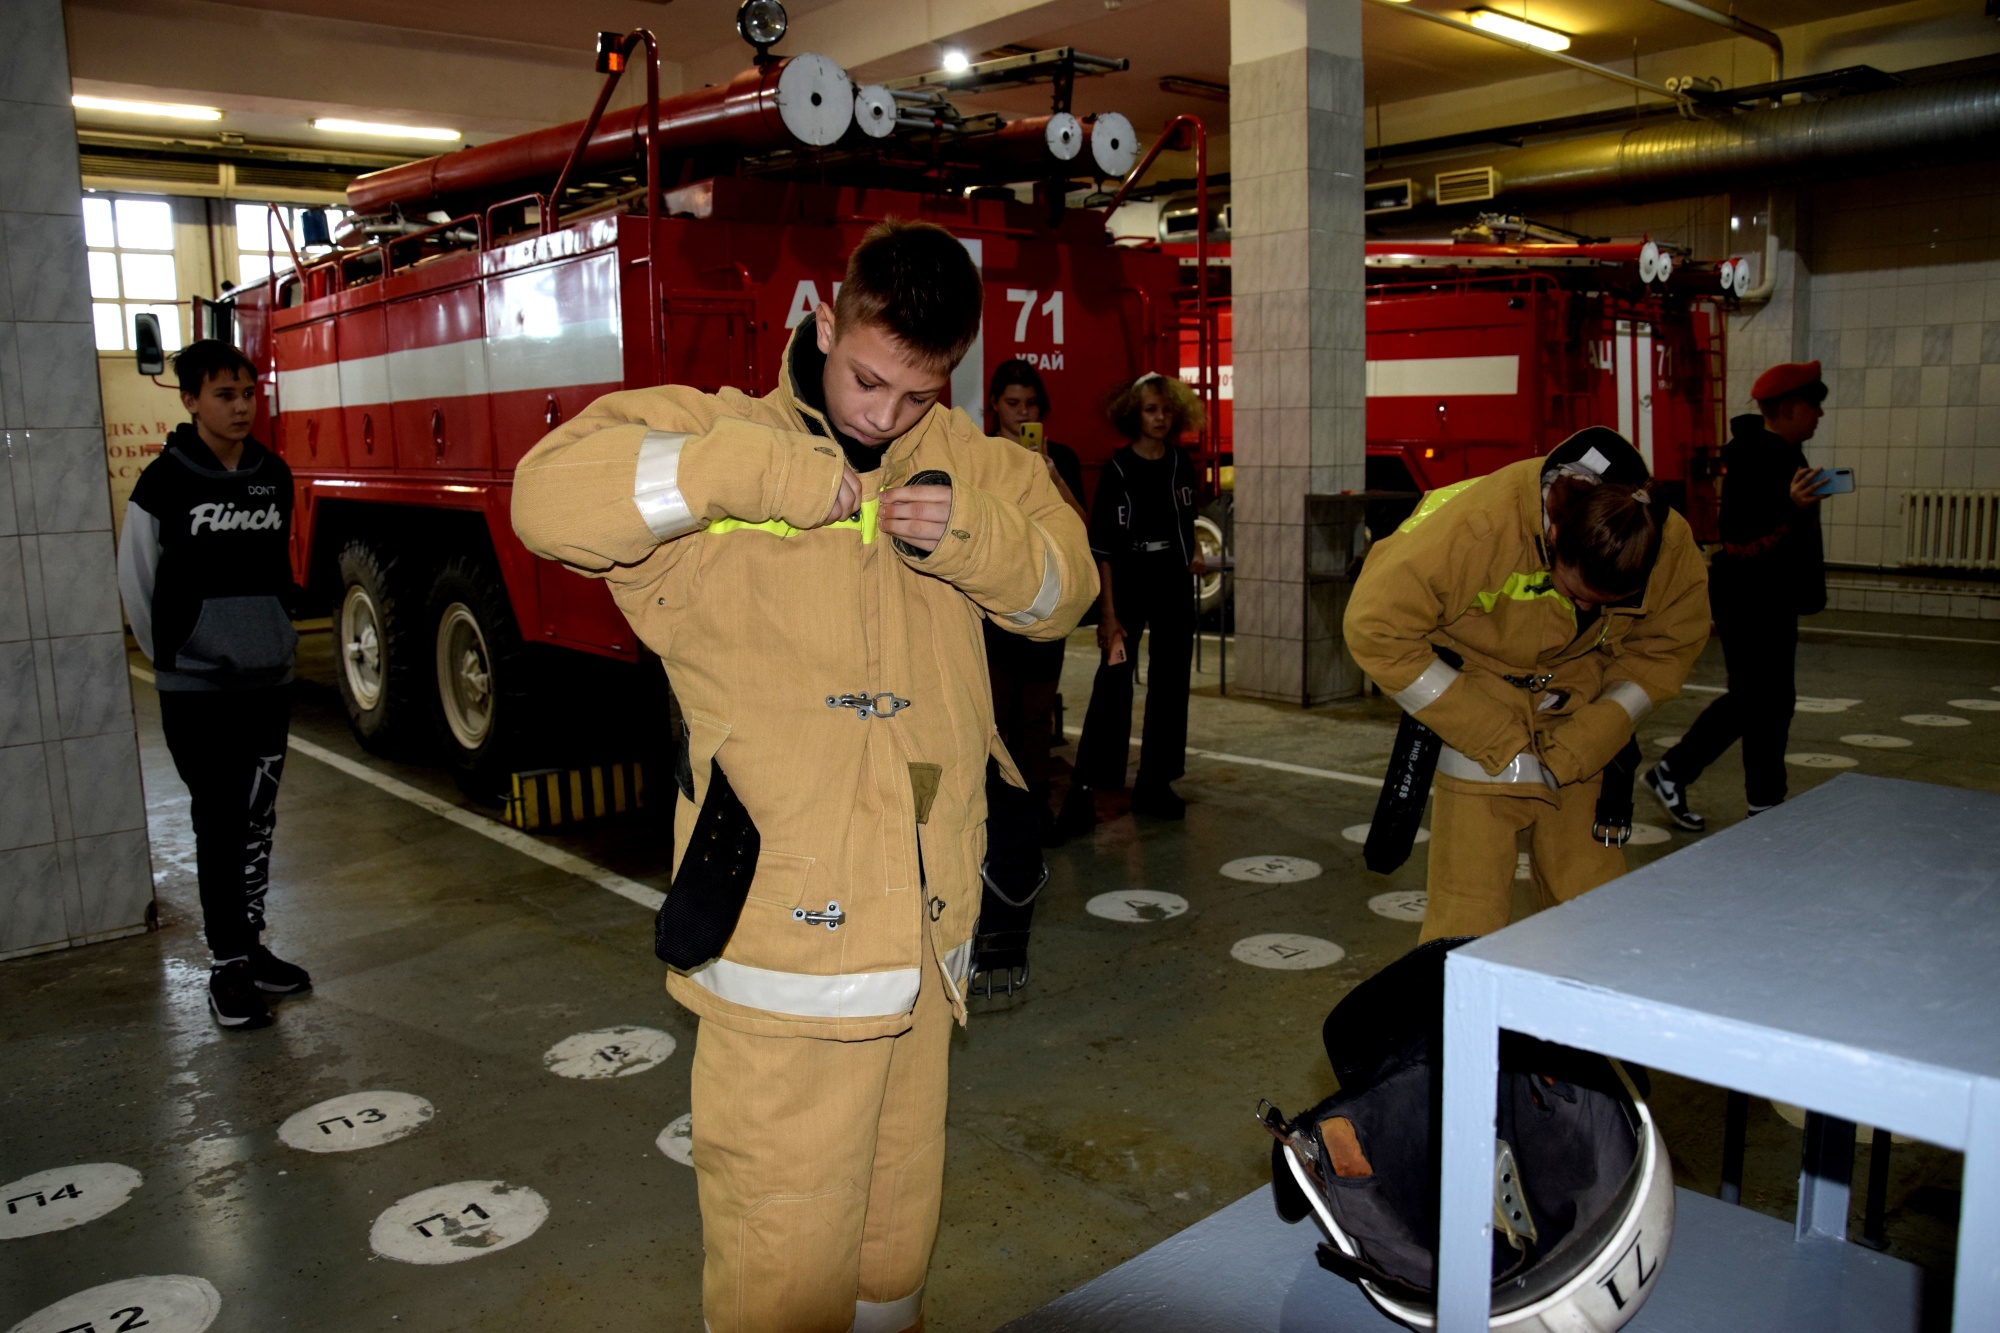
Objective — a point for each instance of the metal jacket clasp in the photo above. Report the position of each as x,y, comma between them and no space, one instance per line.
830,918
866,706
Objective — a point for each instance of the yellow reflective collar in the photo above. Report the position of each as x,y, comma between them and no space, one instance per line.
866,523
1433,501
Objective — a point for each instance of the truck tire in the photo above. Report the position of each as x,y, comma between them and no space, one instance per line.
1211,539
480,673
380,646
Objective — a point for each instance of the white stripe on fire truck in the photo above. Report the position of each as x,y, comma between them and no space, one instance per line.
587,352
1424,377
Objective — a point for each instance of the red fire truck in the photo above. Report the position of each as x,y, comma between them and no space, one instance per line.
476,306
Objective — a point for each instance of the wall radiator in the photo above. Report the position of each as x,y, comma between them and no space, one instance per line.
1951,528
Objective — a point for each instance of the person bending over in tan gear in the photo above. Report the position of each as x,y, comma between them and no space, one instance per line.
813,567
1530,618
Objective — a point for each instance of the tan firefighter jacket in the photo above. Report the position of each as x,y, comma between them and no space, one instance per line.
698,509
1469,571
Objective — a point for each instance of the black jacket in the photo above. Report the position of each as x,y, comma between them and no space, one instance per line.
205,568
1772,552
1116,508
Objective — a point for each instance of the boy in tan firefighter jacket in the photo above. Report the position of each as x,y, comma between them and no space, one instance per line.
813,567
1575,602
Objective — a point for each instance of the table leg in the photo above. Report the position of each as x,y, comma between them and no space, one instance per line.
1876,1208
1826,1178
1735,1125
1465,1195
1977,1293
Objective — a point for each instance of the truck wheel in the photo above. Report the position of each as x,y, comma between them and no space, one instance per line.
1211,540
380,648
481,670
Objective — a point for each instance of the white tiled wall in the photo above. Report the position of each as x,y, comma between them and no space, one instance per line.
1905,317
74,863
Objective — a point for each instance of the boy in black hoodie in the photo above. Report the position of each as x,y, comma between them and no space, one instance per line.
205,571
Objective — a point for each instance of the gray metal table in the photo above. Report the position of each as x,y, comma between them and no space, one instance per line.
1841,952
1244,1270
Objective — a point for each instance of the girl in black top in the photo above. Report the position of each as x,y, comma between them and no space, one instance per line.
1142,533
205,570
1026,674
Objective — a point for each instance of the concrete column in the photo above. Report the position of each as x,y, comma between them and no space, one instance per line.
1295,144
74,864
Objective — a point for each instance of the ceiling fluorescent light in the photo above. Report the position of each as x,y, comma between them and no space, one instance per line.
335,125
1506,26
956,61
168,110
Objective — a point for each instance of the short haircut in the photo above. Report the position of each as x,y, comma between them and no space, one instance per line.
204,359
1814,393
1608,532
915,282
1014,372
1126,404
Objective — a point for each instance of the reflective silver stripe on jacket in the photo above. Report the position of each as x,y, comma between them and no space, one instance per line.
656,486
842,995
1630,696
1524,768
1422,692
958,964
1045,601
888,1316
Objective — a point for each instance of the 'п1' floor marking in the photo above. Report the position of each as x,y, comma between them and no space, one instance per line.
648,898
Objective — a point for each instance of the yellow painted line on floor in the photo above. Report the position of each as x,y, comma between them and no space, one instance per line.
1276,765
648,898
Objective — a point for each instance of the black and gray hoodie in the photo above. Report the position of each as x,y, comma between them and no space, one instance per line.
205,568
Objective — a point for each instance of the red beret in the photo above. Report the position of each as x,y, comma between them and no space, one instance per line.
1788,378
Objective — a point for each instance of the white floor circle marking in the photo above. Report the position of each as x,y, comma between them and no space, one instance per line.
1976,705
1359,833
172,1303
1137,905
1400,904
356,1120
1286,952
1272,869
64,1197
1524,866
1666,741
1936,720
1645,835
451,1223
1870,741
1809,759
677,1139
1806,703
608,1052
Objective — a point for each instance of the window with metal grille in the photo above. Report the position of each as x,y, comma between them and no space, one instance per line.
131,245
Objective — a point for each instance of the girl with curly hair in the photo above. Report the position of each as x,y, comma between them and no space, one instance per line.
1142,534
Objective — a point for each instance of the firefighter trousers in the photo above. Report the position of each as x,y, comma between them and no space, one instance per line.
1473,854
820,1169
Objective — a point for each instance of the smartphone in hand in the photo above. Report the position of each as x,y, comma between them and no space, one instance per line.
1835,481
1032,438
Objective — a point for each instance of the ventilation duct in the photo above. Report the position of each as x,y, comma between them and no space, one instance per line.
1920,125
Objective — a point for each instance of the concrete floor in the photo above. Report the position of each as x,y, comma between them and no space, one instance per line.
1095,1113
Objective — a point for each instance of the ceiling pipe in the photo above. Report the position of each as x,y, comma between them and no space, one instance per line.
1601,71
1741,27
1927,124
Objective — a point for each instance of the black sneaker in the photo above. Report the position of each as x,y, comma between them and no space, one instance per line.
233,996
1079,812
275,976
1673,798
1158,801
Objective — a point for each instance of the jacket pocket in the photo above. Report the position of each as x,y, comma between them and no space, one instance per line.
239,636
783,878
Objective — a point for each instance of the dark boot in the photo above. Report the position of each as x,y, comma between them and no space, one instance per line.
1157,800
1079,813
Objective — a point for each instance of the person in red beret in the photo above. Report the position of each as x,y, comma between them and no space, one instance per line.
1770,571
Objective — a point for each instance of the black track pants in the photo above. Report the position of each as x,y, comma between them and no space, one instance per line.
1760,646
229,748
1151,593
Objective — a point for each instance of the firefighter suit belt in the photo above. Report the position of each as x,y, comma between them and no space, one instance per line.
865,706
